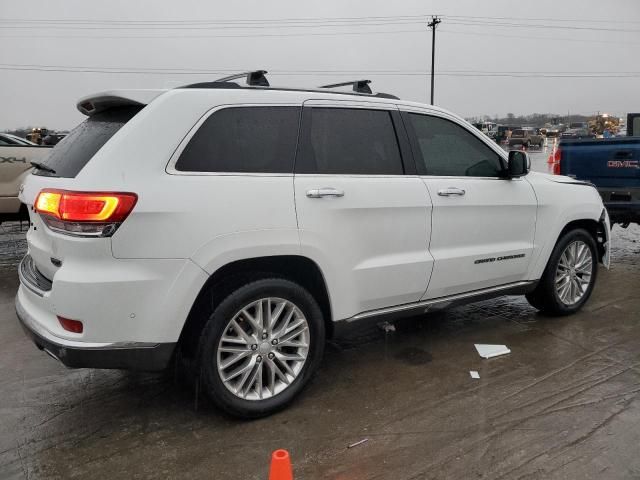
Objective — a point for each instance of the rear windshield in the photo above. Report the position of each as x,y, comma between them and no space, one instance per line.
70,156
518,133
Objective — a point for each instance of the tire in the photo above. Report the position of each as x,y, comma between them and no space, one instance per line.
263,363
548,295
528,144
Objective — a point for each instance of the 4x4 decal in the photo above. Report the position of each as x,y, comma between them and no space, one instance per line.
13,160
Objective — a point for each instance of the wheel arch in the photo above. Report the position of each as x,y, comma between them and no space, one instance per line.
232,275
596,229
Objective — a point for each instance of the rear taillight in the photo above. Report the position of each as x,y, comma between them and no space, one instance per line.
90,214
557,159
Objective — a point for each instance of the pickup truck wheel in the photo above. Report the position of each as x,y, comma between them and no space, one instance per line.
569,277
260,347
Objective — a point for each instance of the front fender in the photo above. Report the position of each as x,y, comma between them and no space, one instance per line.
558,205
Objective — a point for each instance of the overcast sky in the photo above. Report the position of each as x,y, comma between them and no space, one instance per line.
478,43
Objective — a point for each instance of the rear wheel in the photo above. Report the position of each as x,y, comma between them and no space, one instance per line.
260,347
569,277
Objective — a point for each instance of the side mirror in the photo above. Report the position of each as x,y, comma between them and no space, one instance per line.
519,164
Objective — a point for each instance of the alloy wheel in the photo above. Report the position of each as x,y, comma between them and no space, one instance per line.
573,274
263,348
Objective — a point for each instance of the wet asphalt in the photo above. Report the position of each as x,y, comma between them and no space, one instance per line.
564,404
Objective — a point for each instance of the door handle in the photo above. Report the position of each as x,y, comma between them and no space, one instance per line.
324,192
447,192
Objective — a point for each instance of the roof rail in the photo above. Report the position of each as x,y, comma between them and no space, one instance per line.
359,86
255,78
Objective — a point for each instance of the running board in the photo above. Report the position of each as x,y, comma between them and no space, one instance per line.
416,308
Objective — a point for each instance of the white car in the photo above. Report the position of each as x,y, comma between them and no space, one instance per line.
16,155
238,227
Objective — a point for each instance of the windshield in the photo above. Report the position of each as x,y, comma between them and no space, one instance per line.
73,152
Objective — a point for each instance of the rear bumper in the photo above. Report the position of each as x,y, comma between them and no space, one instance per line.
75,354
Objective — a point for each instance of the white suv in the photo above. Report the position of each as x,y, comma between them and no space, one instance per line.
238,227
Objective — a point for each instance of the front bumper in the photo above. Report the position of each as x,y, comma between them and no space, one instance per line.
75,354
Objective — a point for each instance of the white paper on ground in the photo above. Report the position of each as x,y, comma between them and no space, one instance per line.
488,351
474,374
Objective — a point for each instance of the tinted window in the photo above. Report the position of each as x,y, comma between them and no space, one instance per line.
244,139
448,149
69,156
349,141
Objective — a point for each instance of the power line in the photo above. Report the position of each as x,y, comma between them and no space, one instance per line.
322,22
222,27
252,35
525,25
227,21
459,73
355,71
547,19
421,17
555,39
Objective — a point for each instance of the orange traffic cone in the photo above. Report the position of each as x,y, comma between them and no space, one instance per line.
280,466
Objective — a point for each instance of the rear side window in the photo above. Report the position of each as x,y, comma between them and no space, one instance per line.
348,141
73,152
244,139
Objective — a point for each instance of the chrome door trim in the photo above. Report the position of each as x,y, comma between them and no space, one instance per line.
434,301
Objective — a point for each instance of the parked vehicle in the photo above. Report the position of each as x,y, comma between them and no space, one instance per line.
553,131
16,155
527,137
577,133
488,128
9,139
633,124
579,126
612,166
237,227
503,133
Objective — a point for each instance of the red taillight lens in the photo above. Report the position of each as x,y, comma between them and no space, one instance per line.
557,159
84,213
74,326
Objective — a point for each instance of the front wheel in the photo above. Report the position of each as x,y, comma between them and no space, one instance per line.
260,347
569,277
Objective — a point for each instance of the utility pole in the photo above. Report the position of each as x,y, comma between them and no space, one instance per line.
433,24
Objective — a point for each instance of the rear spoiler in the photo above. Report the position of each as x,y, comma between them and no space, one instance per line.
102,101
